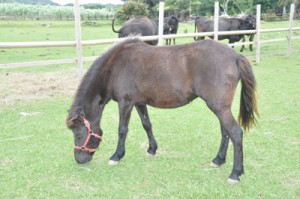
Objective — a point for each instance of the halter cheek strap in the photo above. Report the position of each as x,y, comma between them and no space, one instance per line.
90,134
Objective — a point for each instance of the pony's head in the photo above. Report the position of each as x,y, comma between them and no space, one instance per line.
87,136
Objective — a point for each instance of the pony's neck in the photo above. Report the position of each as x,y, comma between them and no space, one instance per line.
89,107
92,83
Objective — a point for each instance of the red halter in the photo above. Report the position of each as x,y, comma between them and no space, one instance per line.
90,133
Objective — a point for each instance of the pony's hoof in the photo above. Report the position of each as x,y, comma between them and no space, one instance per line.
232,181
150,155
112,162
214,165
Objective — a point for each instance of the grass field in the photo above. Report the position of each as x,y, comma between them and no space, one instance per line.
36,159
16,31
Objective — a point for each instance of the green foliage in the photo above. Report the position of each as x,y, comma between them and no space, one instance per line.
152,7
17,10
266,5
177,7
206,8
44,2
130,10
93,6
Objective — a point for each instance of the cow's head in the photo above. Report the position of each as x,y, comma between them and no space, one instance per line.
251,20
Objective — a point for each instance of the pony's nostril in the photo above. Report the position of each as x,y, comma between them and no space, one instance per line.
79,161
82,157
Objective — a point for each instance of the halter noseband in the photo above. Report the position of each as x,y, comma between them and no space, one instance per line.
90,133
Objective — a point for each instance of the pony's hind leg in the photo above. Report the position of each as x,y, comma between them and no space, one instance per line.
143,113
235,133
229,127
221,156
125,109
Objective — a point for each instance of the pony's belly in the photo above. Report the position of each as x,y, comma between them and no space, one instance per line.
167,104
170,101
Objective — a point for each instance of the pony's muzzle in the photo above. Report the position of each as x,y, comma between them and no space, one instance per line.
82,157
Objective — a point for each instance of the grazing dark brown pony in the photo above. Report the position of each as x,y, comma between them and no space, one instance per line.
135,74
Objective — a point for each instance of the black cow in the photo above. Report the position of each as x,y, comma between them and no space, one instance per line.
252,20
138,26
170,27
225,24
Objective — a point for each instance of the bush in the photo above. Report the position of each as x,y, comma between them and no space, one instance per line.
130,10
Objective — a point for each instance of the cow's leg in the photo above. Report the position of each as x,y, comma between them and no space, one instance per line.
143,113
125,108
243,46
231,41
251,39
221,156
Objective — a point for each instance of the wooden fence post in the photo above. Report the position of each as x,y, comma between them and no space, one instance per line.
216,20
292,10
161,22
257,41
78,39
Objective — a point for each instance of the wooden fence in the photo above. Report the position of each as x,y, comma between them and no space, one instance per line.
79,43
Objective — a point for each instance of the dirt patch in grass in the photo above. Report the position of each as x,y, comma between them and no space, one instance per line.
31,86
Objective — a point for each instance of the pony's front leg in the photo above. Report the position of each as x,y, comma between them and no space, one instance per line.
125,109
143,113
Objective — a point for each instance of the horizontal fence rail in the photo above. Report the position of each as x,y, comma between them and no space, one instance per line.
111,41
144,38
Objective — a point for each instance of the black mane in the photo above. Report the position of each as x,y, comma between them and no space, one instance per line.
94,77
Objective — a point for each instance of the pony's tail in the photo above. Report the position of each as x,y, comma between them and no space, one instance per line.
248,106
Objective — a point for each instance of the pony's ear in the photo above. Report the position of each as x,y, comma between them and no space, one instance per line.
75,120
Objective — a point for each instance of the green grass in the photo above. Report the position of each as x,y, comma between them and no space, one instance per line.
17,31
36,159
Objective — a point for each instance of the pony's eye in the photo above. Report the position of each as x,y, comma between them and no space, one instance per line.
79,136
78,122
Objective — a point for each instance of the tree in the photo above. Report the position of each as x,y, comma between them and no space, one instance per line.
179,8
284,3
265,5
131,9
152,6
233,7
206,8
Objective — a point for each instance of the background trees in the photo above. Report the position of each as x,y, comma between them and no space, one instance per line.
17,10
183,8
132,9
